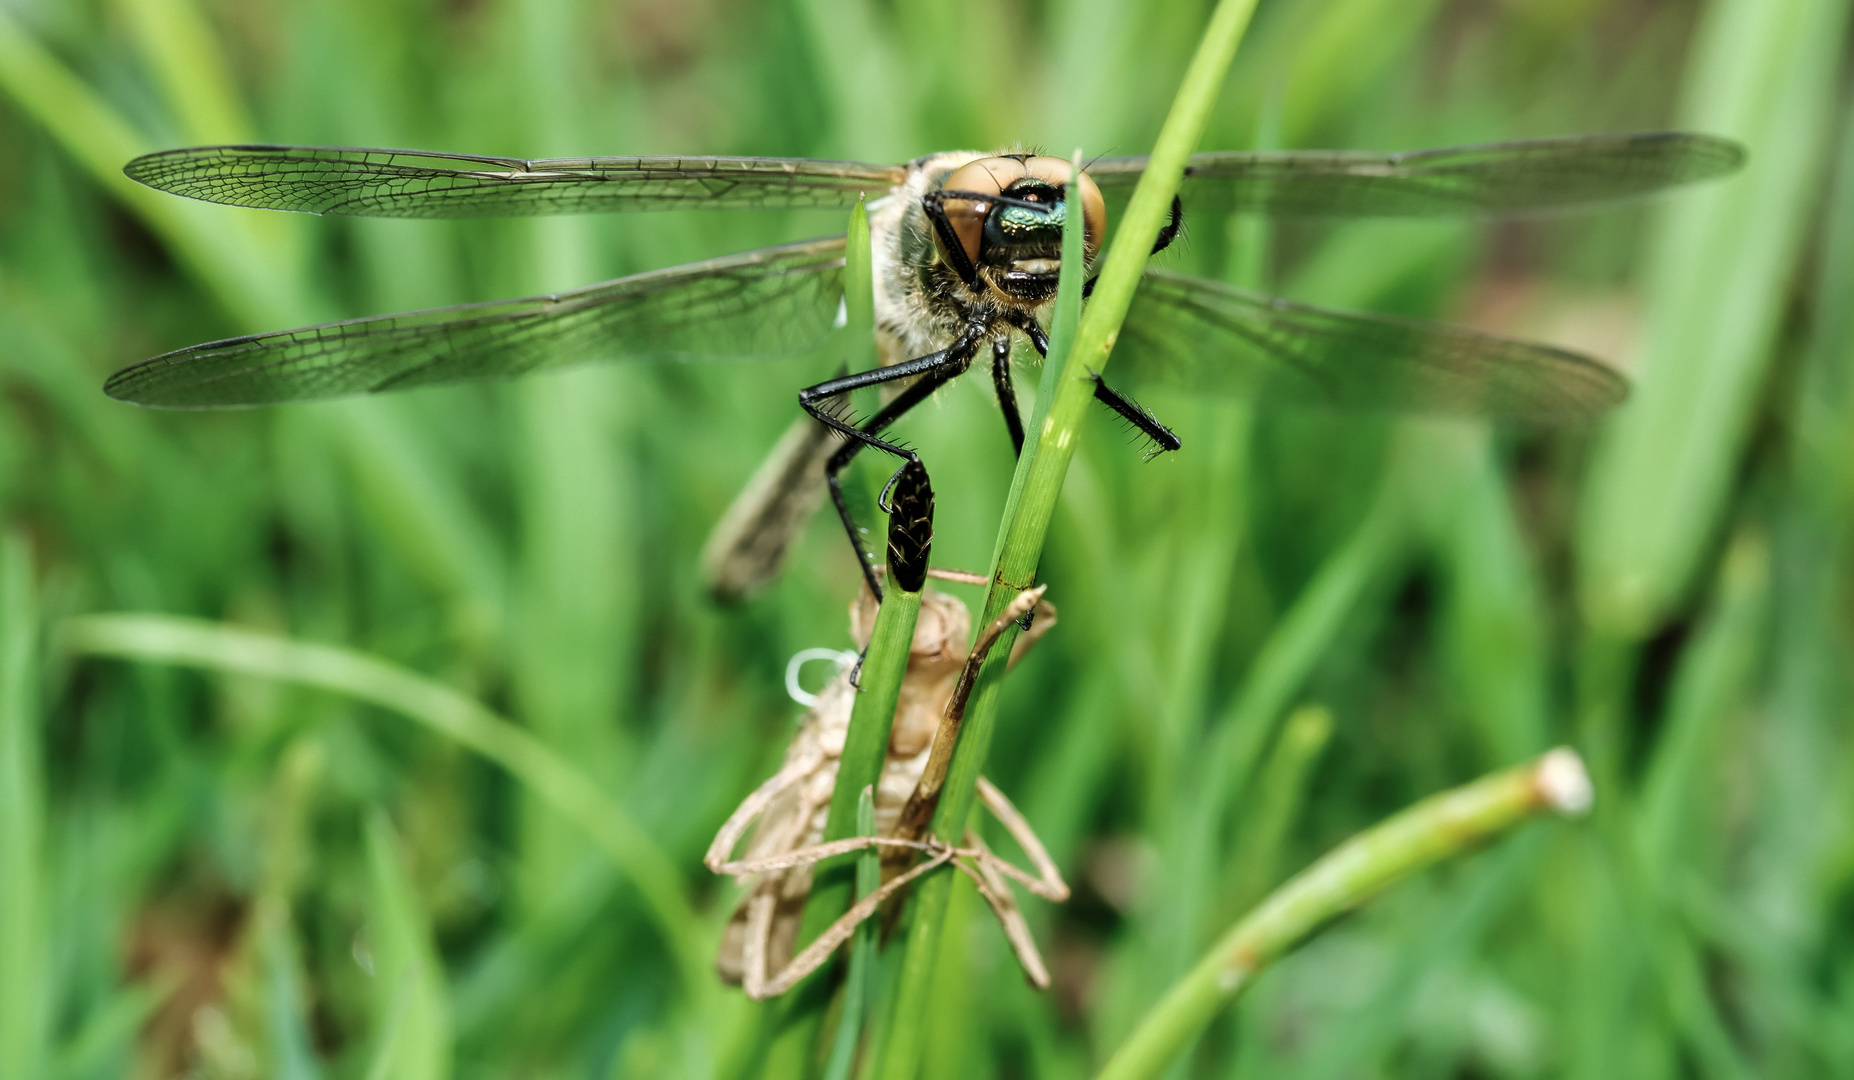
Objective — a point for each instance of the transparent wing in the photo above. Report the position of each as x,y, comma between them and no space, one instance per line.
778,300
1495,178
417,184
1205,335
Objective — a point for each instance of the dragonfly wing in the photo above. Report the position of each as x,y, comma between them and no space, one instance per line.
1210,336
750,543
1495,178
778,300
418,184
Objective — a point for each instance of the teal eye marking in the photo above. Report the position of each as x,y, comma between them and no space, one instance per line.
1024,220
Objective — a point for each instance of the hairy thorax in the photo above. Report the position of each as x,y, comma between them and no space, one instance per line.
920,304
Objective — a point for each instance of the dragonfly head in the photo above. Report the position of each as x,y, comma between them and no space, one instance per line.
1016,242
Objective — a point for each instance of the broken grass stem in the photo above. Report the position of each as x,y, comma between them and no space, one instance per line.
1432,830
919,810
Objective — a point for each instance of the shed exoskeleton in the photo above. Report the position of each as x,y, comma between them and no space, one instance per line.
757,948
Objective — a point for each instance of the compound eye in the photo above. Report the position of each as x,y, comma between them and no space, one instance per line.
986,176
1094,215
1094,209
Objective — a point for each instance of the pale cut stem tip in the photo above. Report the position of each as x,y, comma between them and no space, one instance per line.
1564,783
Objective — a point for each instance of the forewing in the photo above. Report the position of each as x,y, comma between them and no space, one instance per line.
775,301
1209,336
1495,178
417,184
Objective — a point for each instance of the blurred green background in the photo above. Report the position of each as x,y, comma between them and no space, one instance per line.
1267,642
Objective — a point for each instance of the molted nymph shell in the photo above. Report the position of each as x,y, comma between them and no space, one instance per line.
941,637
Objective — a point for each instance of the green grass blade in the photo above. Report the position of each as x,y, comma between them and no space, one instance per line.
856,983
99,1046
1280,794
885,662
420,510
1122,266
411,1014
865,747
833,882
197,643
1039,480
1241,735
1718,276
1715,676
25,1015
180,46
288,855
217,248
1495,639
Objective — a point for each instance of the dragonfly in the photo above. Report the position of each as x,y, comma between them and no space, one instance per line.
966,259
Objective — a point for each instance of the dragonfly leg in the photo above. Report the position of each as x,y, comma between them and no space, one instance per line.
933,204
1138,417
1023,320
1167,234
839,461
1170,231
934,370
1007,395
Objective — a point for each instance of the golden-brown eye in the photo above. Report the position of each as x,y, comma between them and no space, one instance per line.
992,175
986,176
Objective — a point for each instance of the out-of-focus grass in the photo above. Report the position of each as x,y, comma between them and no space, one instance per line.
24,966
211,863
411,1018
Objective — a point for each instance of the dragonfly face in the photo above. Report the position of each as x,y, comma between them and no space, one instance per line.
1007,213
966,249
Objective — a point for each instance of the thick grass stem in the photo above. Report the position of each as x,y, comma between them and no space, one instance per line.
1045,463
1432,830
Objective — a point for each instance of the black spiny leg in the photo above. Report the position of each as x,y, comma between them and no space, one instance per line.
1138,417
1170,231
934,370
1039,339
1007,396
1141,418
1167,234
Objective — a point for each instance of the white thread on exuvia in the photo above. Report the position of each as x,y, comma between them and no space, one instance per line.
843,657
